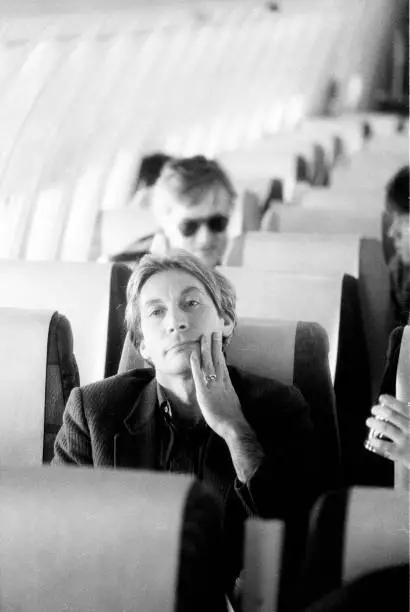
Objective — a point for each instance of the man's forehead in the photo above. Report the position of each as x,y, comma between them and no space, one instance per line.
214,201
176,282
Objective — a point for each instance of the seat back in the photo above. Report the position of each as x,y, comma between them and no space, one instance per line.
37,373
316,254
294,353
321,220
352,198
108,541
290,297
92,296
401,473
354,532
361,258
263,557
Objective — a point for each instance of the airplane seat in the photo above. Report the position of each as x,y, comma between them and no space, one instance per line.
401,473
37,373
320,220
120,274
301,359
352,384
91,295
387,242
108,540
352,533
359,331
377,307
320,176
374,591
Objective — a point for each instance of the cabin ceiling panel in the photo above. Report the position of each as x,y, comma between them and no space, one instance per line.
85,89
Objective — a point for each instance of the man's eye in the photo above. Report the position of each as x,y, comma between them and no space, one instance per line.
156,312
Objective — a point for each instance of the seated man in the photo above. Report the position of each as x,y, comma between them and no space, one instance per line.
397,208
191,204
250,439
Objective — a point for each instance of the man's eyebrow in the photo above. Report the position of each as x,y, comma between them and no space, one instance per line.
191,288
153,302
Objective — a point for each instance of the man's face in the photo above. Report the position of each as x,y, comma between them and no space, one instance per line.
200,229
176,310
399,232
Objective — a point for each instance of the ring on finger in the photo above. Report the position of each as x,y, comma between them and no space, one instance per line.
210,378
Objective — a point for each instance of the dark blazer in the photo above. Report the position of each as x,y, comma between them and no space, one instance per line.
112,424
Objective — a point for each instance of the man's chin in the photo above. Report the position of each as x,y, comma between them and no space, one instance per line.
180,364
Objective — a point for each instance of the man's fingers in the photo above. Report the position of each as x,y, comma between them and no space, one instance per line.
392,416
196,370
217,354
385,429
382,448
395,405
206,357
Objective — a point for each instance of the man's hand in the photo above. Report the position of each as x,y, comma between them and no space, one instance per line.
392,420
216,396
221,408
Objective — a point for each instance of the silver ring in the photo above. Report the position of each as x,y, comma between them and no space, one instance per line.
210,378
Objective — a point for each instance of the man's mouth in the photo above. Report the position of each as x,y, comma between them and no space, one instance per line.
183,345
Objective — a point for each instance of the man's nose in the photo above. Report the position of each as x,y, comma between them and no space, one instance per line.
177,320
204,234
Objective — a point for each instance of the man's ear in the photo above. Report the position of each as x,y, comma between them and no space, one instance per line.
143,350
228,327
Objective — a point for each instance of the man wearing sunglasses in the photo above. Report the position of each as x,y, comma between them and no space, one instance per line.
192,201
191,204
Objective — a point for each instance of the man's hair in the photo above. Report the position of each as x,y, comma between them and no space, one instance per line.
219,289
189,179
149,170
397,192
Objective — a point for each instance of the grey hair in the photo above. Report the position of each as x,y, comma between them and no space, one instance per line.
219,288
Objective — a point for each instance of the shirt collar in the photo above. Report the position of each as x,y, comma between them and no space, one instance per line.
164,403
171,417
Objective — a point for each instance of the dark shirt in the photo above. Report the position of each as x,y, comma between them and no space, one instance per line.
181,447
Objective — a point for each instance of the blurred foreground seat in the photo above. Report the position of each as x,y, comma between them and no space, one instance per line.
108,541
352,533
356,544
37,373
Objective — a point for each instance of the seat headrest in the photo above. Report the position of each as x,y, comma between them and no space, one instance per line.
265,348
119,540
85,292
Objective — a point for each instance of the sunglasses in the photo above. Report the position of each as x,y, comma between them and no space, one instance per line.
216,224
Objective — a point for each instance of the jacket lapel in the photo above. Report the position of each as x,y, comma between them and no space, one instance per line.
134,445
